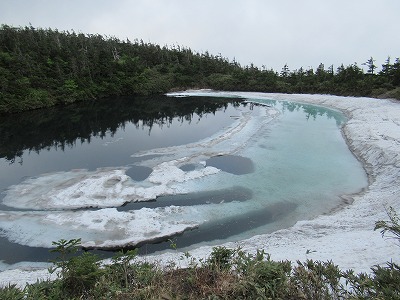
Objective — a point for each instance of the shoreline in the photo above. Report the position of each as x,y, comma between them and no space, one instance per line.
346,235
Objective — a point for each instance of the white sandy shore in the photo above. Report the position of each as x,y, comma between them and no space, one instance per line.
346,237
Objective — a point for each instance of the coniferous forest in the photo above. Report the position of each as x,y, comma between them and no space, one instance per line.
46,67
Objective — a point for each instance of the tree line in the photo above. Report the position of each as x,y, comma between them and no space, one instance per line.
45,67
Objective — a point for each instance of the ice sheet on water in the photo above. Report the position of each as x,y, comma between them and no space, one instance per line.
100,188
109,228
111,187
45,196
103,228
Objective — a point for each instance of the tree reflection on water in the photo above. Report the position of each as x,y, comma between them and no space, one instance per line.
64,126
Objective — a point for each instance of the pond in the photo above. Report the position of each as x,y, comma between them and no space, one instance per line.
137,172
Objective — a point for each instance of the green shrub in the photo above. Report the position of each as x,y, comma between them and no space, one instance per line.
316,280
77,274
392,226
45,290
387,280
11,292
262,278
220,258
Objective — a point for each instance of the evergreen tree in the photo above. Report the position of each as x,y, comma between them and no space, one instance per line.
371,66
285,71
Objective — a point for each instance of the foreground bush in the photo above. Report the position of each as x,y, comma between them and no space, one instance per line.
225,274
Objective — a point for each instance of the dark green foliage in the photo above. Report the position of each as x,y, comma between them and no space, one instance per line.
77,274
382,284
46,290
261,278
221,258
82,272
387,280
126,273
65,250
371,66
317,280
11,292
392,226
45,67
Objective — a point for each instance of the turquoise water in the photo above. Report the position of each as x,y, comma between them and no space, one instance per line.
297,166
302,167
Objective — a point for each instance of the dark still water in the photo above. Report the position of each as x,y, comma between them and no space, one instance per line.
211,169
